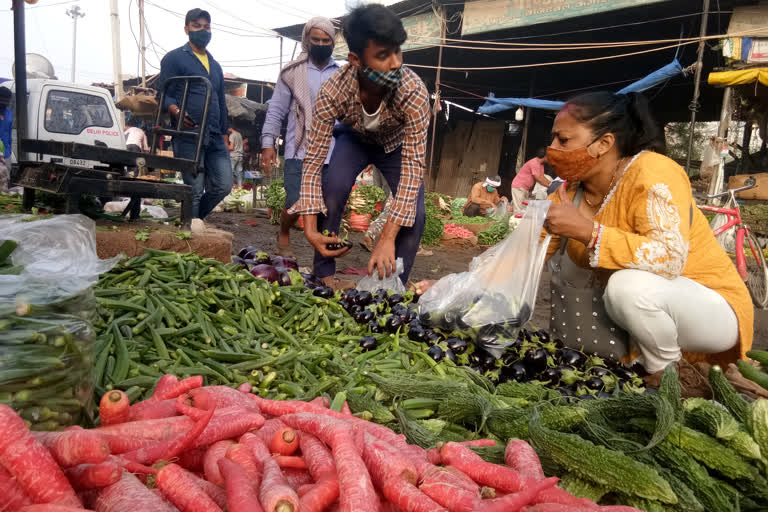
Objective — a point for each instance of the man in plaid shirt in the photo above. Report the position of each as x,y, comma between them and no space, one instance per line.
383,109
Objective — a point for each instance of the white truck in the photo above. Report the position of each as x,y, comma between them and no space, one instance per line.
67,112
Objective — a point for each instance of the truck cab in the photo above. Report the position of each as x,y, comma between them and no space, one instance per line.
67,112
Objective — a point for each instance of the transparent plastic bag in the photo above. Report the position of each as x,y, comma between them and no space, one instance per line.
46,339
373,283
498,292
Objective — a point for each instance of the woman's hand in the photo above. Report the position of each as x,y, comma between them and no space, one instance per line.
422,286
565,219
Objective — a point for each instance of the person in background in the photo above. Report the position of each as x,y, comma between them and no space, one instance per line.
236,153
483,197
135,138
6,121
384,112
294,99
215,182
531,173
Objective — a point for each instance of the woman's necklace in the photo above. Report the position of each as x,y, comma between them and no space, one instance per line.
610,187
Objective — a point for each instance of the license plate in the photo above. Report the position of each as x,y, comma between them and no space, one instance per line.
78,163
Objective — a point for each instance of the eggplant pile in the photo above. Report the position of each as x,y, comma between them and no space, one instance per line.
492,309
276,269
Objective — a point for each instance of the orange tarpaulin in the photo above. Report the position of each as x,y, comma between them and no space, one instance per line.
739,77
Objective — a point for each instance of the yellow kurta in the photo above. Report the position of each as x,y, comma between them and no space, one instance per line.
652,223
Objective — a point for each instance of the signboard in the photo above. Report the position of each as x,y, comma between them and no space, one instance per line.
488,15
423,31
749,21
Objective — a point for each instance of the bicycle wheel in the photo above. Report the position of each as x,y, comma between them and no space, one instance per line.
757,273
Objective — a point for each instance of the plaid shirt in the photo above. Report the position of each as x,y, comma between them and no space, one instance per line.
404,121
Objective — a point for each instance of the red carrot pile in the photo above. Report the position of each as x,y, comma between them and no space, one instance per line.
219,448
453,229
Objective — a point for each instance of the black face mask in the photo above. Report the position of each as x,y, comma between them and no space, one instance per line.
320,52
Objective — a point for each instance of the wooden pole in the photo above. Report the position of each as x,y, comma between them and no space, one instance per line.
117,73
142,47
436,105
696,85
281,53
524,143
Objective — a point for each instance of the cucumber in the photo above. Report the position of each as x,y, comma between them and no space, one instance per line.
724,393
753,374
761,356
6,248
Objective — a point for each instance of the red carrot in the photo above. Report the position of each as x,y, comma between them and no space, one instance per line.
132,467
320,495
258,448
73,447
355,486
269,429
242,496
385,465
165,383
156,430
242,456
562,497
222,396
479,443
229,423
290,462
275,494
51,508
557,507
521,457
618,508
345,409
245,387
213,454
500,478
298,477
284,442
216,493
304,489
183,386
90,476
451,489
193,459
167,450
318,457
408,497
33,466
516,501
123,444
433,456
12,493
130,495
153,410
114,407
183,491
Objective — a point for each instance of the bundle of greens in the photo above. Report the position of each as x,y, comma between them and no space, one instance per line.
275,200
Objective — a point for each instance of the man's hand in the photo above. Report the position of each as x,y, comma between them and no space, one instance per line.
422,286
565,219
188,122
319,241
383,258
268,159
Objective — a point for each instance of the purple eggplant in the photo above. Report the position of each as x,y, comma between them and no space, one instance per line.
450,355
571,357
260,257
363,298
395,298
434,337
456,345
312,281
551,375
436,353
364,316
354,308
284,279
248,250
393,323
282,261
340,245
417,334
599,371
267,272
375,327
515,372
535,360
324,292
237,260
368,343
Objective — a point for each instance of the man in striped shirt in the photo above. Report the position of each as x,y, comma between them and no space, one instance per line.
383,109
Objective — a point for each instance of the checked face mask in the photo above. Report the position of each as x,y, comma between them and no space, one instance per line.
390,79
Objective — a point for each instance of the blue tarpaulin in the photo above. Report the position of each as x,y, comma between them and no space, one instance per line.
493,104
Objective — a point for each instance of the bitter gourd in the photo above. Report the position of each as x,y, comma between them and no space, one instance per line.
630,405
465,407
670,390
759,423
411,386
599,464
513,423
415,433
360,403
708,417
724,393
582,488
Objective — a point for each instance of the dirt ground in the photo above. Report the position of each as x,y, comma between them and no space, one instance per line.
442,261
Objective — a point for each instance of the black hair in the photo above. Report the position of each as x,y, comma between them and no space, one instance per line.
195,14
626,116
372,22
541,152
5,92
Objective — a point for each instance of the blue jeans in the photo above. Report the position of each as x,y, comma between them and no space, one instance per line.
237,169
350,156
292,180
211,185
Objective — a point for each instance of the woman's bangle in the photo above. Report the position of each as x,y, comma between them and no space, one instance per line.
595,233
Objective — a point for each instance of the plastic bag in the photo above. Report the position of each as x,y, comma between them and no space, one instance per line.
373,283
498,293
46,336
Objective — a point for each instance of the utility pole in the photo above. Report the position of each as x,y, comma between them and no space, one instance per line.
74,12
117,73
694,106
143,48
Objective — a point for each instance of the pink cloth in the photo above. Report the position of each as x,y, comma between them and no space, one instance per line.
524,178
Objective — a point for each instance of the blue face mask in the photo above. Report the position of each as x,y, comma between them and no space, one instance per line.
490,188
199,38
391,78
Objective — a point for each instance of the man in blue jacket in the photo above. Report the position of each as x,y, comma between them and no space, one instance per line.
6,121
192,59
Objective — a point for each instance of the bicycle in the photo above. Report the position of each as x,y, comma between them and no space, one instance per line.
749,263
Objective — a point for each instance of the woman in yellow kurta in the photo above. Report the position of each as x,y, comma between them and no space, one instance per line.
669,284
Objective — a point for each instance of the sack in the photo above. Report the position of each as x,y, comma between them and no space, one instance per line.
373,283
140,104
579,317
358,222
500,288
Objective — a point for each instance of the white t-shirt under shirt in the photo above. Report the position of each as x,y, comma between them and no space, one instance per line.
371,122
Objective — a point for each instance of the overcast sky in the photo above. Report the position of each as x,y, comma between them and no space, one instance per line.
242,41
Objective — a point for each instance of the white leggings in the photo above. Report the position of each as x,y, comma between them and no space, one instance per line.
665,316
